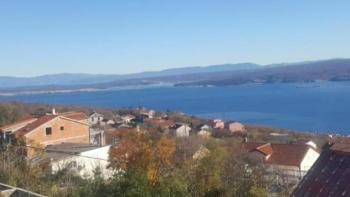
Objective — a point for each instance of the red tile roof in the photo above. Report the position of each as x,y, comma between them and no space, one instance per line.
329,176
31,126
40,120
279,154
75,115
266,149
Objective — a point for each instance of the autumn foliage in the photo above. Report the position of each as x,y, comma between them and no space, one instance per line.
148,153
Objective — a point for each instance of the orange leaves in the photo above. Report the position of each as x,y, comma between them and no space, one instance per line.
151,154
165,147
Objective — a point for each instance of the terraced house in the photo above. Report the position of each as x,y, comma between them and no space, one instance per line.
48,129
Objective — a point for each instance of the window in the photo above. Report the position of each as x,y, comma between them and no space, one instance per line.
48,131
62,128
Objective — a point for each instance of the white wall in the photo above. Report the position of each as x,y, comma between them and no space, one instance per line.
309,159
183,131
87,163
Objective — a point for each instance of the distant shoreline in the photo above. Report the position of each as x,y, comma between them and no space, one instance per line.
127,87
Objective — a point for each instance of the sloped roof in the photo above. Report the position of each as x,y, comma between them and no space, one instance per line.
20,121
95,114
266,149
63,150
279,154
73,148
329,176
40,120
75,115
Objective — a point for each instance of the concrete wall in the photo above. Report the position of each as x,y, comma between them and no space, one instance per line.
73,132
86,164
183,131
310,158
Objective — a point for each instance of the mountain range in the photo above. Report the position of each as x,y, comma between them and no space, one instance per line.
216,75
66,79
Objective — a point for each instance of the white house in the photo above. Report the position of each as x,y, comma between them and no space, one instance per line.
204,130
127,118
82,159
148,113
106,122
292,160
181,130
205,127
95,118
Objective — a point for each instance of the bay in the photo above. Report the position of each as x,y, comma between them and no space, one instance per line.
318,107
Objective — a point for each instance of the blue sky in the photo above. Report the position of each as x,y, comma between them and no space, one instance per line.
45,37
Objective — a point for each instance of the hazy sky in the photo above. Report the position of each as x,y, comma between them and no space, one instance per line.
44,37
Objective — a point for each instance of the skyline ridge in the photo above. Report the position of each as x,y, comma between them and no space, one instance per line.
176,68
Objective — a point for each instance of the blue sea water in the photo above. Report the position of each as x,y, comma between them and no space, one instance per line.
319,107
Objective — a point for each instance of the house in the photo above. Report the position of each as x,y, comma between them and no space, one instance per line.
147,113
127,118
181,130
79,159
204,127
49,129
106,122
95,118
292,160
234,126
204,130
329,176
96,135
10,191
217,124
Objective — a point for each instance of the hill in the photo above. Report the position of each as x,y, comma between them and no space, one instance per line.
331,70
74,79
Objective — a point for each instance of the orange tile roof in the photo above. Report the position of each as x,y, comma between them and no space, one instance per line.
266,149
280,154
75,115
40,120
31,126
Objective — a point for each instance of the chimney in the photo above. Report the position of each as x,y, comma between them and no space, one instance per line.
53,111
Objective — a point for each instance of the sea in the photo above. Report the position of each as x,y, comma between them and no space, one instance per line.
315,107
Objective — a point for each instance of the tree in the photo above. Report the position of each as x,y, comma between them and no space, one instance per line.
206,173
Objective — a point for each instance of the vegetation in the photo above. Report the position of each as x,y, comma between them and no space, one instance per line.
148,163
